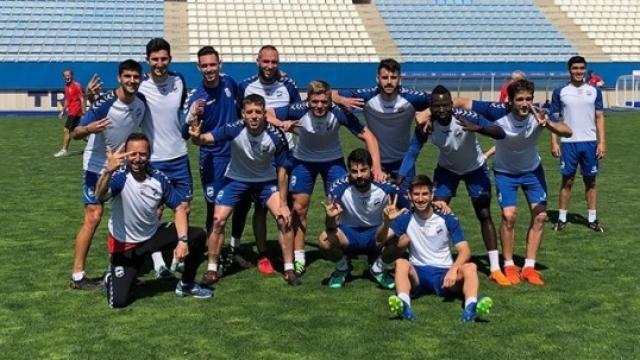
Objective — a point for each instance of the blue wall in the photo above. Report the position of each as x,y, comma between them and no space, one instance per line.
48,75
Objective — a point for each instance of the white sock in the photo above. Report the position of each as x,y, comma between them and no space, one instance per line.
494,260
288,266
299,257
158,260
591,215
530,263
342,264
405,297
77,276
212,267
509,263
235,242
562,215
470,300
378,266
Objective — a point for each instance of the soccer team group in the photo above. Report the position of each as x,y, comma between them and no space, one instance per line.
261,145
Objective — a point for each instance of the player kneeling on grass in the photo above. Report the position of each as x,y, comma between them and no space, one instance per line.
429,233
135,231
353,213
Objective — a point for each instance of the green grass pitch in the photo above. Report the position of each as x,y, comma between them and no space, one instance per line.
590,307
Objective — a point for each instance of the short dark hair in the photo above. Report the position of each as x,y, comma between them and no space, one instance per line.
576,60
267,47
157,44
137,136
421,180
208,50
440,90
518,86
69,70
390,65
254,99
130,65
359,156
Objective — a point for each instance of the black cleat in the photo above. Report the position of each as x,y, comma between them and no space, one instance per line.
595,226
559,226
85,284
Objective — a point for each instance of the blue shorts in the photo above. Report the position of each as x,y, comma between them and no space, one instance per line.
233,191
212,169
304,174
362,240
179,172
89,182
583,153
430,280
533,184
477,182
392,169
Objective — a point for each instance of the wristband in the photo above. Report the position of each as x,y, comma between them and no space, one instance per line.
184,238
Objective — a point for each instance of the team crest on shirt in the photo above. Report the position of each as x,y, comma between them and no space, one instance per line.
279,93
118,271
227,92
210,191
293,181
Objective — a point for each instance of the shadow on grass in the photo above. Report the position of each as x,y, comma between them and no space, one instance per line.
572,218
482,262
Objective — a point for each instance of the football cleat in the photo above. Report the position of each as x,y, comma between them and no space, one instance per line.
532,276
61,153
290,277
210,277
595,226
265,267
499,278
383,279
559,225
477,310
164,274
194,290
85,284
338,279
299,268
513,274
399,308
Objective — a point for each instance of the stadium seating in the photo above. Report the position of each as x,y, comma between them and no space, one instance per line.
303,31
78,30
613,26
473,30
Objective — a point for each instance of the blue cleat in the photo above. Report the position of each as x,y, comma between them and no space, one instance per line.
477,310
400,308
194,290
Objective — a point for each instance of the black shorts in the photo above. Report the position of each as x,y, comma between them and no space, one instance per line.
72,122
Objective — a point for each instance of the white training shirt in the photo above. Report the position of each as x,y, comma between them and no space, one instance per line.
517,153
578,106
460,150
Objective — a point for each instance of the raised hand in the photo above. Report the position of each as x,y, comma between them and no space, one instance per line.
94,87
423,120
332,208
540,116
98,126
467,125
391,211
197,108
195,128
290,126
115,160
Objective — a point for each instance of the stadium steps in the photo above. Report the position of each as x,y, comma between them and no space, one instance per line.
578,38
175,31
378,32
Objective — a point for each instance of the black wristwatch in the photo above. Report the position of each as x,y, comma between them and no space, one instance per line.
184,238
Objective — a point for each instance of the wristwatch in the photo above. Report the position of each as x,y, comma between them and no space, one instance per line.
184,238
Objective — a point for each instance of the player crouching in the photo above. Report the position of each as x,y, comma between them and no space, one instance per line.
428,233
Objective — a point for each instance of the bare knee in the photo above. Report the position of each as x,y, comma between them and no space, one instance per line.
93,215
509,219
469,268
538,220
218,224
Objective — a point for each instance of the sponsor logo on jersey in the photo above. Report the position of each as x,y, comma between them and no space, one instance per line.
118,271
227,92
293,181
210,191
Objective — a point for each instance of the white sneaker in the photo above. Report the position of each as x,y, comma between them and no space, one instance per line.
61,153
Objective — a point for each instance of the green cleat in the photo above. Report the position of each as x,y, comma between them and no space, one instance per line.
383,279
299,268
484,307
400,308
338,278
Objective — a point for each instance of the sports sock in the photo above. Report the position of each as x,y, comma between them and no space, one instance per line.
494,260
235,242
158,260
530,263
405,297
509,263
212,267
378,266
342,264
288,266
591,214
77,276
470,300
299,257
562,215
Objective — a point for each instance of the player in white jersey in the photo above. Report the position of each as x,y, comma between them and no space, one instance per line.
137,192
317,123
389,111
517,164
165,92
278,90
580,105
111,118
429,234
461,159
353,213
259,154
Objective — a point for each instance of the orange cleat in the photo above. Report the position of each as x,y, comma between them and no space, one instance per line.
513,274
499,278
264,266
532,276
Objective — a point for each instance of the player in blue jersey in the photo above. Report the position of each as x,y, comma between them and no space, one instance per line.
213,103
111,118
580,105
353,213
461,159
278,90
317,123
389,111
518,164
259,154
137,191
429,234
166,91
